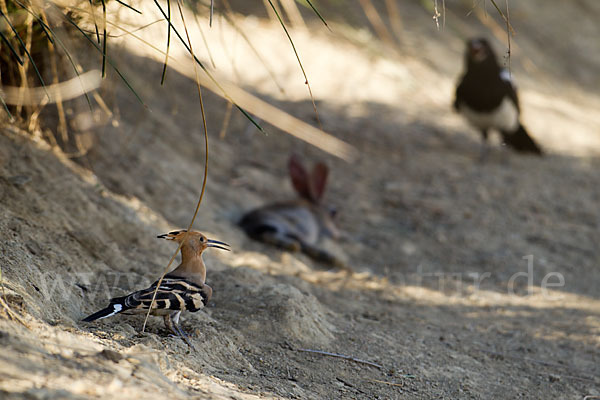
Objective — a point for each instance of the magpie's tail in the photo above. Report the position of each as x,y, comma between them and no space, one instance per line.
116,306
521,141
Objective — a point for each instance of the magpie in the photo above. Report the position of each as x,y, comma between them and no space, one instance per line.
487,98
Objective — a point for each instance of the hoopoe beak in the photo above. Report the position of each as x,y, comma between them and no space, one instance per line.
218,245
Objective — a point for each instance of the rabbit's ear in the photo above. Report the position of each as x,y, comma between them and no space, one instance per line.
300,178
318,181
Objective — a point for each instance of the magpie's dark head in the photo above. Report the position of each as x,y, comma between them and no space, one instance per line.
479,51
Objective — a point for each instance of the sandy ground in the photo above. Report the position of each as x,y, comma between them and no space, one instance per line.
434,238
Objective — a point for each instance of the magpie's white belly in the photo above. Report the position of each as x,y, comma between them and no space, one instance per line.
504,118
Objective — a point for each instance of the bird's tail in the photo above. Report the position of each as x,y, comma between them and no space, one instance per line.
521,141
116,306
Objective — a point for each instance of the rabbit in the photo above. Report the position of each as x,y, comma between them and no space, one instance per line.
297,225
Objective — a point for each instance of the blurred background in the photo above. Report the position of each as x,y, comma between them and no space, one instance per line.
433,237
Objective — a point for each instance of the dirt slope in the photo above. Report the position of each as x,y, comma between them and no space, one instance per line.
434,237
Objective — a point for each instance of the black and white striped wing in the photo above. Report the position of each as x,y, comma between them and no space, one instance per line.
174,293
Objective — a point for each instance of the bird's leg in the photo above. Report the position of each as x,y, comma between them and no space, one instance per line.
175,319
169,324
172,324
180,332
185,337
504,154
485,148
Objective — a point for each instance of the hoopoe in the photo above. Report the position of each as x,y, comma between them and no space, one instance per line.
183,289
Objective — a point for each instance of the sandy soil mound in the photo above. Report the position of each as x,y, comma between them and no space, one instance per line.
273,310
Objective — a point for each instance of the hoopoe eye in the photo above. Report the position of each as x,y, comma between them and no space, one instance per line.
202,239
